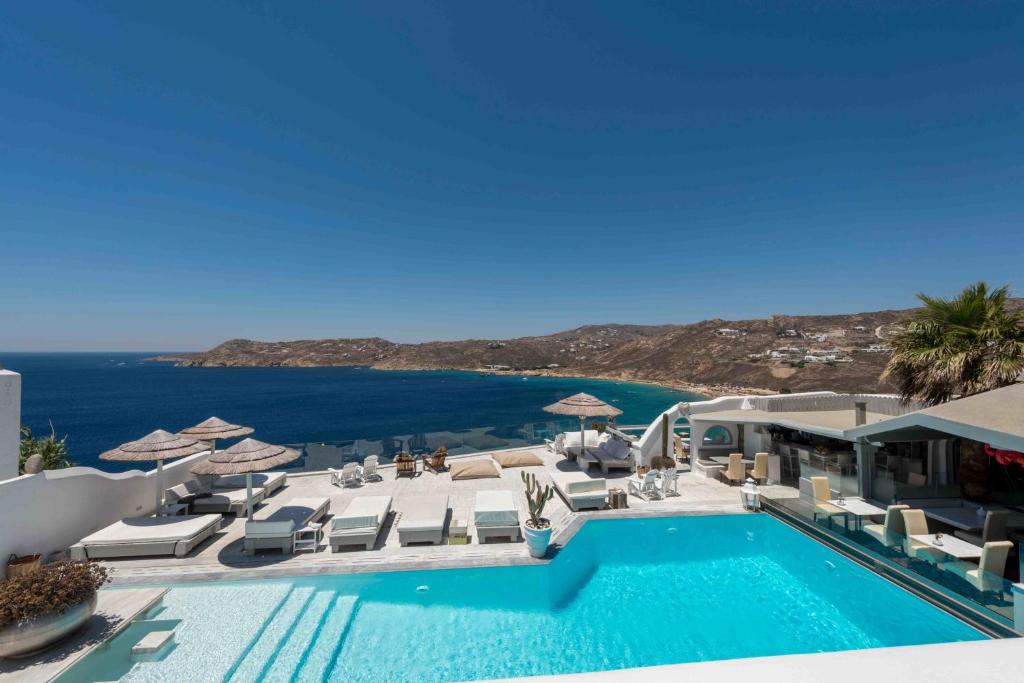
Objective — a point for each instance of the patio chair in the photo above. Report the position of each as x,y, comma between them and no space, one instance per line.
680,452
670,482
822,494
645,488
987,575
917,525
348,475
994,529
760,471
436,461
405,464
890,533
370,468
735,473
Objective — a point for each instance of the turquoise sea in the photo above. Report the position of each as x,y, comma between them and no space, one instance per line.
103,399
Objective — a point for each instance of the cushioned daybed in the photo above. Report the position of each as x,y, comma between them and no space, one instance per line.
360,523
496,515
228,501
581,491
610,453
273,527
140,536
423,520
268,481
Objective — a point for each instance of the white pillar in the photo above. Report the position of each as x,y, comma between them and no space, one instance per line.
10,423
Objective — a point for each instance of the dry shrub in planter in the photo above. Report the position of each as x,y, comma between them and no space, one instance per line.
52,589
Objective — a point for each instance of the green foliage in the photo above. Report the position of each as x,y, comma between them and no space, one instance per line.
537,497
958,347
53,450
52,589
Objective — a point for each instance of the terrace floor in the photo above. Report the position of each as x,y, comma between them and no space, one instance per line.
222,556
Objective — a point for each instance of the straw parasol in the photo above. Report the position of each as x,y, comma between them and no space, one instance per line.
159,445
214,428
583,406
245,457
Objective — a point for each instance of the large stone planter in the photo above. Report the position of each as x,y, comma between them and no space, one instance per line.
25,639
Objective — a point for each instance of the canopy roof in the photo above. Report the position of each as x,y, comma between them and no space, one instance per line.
158,445
583,405
248,455
216,428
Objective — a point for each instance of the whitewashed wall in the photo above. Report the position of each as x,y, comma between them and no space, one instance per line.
10,423
48,512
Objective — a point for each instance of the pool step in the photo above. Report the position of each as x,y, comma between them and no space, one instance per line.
262,651
289,657
321,655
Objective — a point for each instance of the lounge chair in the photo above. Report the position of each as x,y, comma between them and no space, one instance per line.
736,472
227,501
669,483
571,448
580,491
423,520
268,481
141,536
890,533
436,461
349,475
360,523
610,453
274,527
916,524
994,529
987,575
645,487
405,464
760,471
496,514
370,463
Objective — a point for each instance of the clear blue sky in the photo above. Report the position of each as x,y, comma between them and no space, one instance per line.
176,174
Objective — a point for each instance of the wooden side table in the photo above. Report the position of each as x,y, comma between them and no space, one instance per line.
458,528
617,499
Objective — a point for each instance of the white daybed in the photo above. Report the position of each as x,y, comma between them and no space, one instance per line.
268,481
581,491
230,501
495,514
610,453
423,519
140,536
360,523
274,527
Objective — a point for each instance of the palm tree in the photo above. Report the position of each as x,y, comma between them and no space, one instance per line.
958,347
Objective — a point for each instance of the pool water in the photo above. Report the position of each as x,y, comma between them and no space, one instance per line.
624,593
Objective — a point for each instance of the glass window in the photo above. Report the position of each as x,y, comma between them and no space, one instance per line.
717,436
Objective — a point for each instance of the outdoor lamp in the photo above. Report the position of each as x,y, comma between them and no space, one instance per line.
750,495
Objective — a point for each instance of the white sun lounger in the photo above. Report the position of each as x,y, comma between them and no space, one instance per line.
360,523
496,515
141,536
423,520
268,481
581,491
228,501
273,527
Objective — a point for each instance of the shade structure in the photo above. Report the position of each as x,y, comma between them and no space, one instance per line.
213,428
245,457
157,446
583,406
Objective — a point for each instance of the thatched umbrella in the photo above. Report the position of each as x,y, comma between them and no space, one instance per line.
583,406
245,457
159,445
214,428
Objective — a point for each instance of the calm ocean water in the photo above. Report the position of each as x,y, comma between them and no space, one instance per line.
103,399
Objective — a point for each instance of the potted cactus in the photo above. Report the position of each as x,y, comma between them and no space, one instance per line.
538,529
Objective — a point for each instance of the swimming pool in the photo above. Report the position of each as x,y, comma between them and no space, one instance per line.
624,593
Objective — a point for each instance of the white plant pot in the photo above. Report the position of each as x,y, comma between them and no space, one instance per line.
538,540
38,634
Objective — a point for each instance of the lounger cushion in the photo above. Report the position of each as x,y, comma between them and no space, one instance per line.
590,436
613,449
518,459
363,512
424,513
151,529
573,483
474,469
495,508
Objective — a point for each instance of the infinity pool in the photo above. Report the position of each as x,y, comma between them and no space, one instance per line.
624,593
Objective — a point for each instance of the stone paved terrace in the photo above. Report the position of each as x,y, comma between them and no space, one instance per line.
222,556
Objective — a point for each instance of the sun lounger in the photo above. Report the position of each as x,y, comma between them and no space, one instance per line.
360,523
268,481
581,491
230,501
423,520
274,527
496,514
141,536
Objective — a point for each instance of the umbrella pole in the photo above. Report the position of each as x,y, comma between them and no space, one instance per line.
248,495
159,488
583,443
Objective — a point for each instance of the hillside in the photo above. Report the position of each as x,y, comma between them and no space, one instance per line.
841,352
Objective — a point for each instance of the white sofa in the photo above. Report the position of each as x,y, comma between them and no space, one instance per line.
275,527
611,452
580,491
360,523
568,443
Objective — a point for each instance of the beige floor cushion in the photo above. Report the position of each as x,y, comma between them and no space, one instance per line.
474,469
518,459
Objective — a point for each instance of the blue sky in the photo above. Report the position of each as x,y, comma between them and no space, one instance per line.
176,174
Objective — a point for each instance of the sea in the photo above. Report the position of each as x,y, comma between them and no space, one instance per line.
100,400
